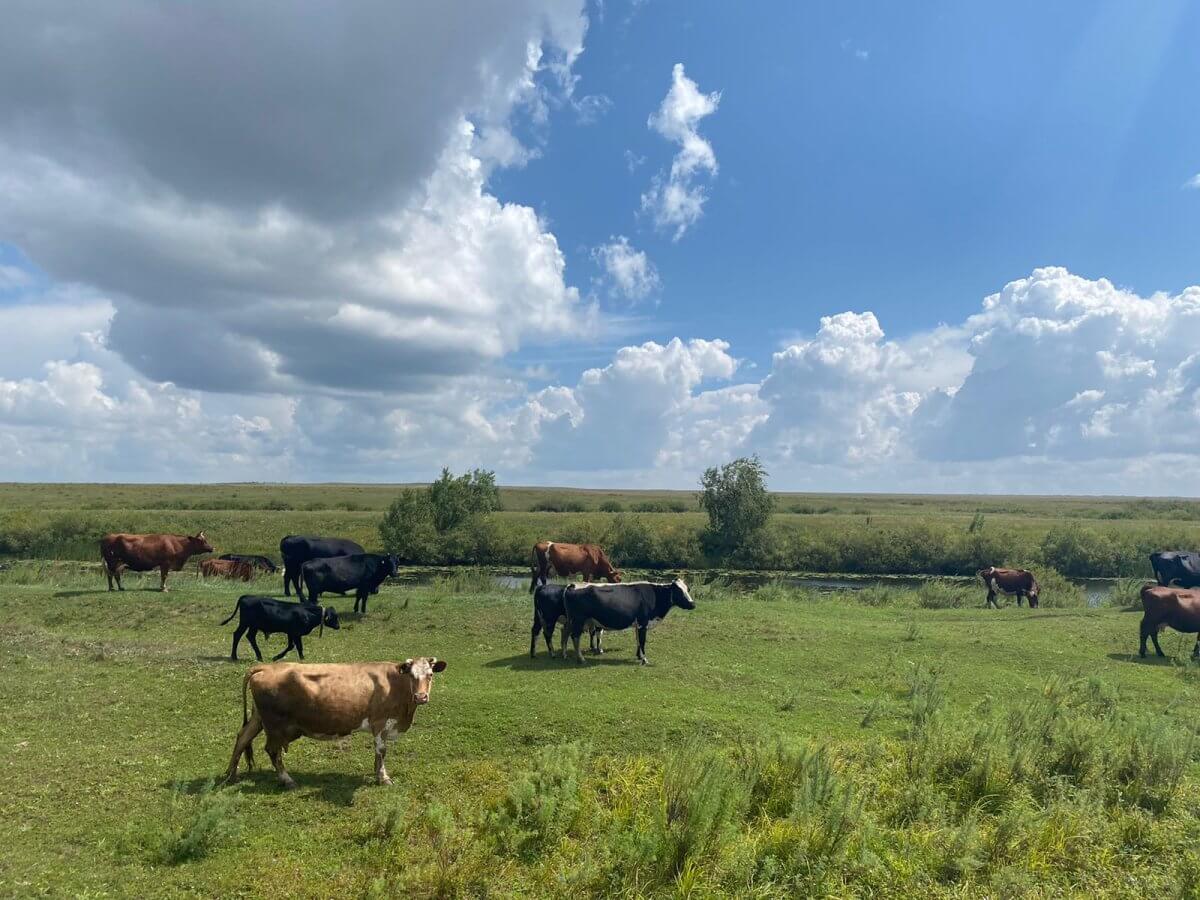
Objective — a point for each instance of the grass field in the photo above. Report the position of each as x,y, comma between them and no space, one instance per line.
966,753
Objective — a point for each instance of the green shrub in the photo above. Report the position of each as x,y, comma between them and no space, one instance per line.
612,506
540,805
195,826
558,505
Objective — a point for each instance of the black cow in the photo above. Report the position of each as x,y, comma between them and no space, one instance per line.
361,573
547,610
296,550
259,562
640,604
1178,567
278,617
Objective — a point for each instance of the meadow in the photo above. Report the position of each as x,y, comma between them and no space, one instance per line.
782,743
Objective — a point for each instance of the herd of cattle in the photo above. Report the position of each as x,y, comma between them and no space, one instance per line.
329,701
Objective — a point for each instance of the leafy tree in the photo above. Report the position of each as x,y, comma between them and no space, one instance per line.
407,527
417,520
457,500
737,502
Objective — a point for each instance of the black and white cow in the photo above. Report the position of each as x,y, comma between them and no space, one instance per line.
547,610
296,550
361,573
272,616
635,604
1179,567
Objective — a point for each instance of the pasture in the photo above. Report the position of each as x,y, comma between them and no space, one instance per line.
781,744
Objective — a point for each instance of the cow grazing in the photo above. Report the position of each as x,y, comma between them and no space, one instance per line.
1162,606
1179,567
144,552
296,550
588,560
226,568
547,610
1010,581
272,616
361,573
640,604
331,701
258,562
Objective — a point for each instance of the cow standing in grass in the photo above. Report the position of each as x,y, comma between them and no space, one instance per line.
1178,608
298,549
589,560
144,552
1018,582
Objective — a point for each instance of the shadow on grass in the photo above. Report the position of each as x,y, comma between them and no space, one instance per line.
220,659
1148,660
101,590
331,787
522,662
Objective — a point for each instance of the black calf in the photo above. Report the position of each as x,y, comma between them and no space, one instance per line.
278,617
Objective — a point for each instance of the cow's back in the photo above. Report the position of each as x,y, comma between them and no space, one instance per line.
141,549
323,699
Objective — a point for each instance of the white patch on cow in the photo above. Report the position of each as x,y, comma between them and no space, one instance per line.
380,745
389,730
683,587
652,623
365,725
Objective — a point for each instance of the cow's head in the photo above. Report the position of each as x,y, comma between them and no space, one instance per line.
1033,596
680,596
199,544
614,576
329,617
420,671
392,566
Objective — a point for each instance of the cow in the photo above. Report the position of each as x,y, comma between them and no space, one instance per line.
226,568
567,559
1163,606
293,700
143,552
1179,567
271,616
259,562
547,610
296,550
361,573
1010,581
640,604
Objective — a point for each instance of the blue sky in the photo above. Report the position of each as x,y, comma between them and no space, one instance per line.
311,245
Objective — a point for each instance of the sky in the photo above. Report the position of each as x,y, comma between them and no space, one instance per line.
930,247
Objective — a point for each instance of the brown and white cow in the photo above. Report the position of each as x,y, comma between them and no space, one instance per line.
226,568
328,701
1010,581
588,560
143,552
1162,606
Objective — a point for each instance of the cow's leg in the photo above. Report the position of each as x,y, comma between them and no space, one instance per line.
1020,599
576,634
287,580
237,637
594,633
108,575
291,643
641,651
243,744
300,646
991,599
162,571
275,750
1196,649
117,575
254,643
361,598
534,631
381,775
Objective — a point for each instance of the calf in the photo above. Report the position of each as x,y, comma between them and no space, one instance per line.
258,562
298,549
640,604
143,552
331,701
361,573
272,616
1163,606
589,560
226,568
547,610
1010,581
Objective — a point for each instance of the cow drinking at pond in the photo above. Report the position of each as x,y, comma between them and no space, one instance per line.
144,552
589,560
638,604
548,608
1178,567
361,573
297,549
226,568
271,616
1019,582
1178,608
329,701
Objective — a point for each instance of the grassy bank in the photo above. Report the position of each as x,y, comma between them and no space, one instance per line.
781,743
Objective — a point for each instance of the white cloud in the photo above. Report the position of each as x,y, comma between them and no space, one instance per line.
1193,182
632,274
675,199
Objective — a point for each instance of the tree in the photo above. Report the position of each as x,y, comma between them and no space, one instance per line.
418,518
458,500
737,502
406,529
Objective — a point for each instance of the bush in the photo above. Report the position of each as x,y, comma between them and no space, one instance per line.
455,500
736,500
541,805
633,542
407,528
612,506
558,505
194,827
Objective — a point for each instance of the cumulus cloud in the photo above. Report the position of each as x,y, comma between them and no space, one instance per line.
1193,183
630,271
676,198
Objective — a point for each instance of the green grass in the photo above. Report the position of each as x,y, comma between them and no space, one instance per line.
121,708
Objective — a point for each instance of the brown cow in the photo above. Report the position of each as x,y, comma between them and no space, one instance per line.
226,568
328,701
143,552
567,559
1163,606
1010,581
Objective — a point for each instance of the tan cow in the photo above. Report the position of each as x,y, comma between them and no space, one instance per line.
143,552
328,701
588,560
226,568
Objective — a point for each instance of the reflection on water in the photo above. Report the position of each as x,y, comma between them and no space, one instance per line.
1096,589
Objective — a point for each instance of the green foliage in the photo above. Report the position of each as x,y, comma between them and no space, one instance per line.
195,825
540,805
558,505
612,506
632,542
736,501
407,528
454,501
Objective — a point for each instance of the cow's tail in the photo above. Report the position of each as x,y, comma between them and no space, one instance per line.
245,686
237,606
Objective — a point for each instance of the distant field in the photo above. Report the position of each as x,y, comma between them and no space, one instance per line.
966,753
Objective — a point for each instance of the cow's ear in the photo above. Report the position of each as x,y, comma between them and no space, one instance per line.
406,666
439,665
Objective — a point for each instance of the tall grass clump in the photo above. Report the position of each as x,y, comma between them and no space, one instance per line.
540,805
195,826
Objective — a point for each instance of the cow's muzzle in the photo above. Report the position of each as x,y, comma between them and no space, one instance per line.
421,698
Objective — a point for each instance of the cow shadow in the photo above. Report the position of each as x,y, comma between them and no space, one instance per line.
330,787
102,590
224,658
522,662
1150,659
